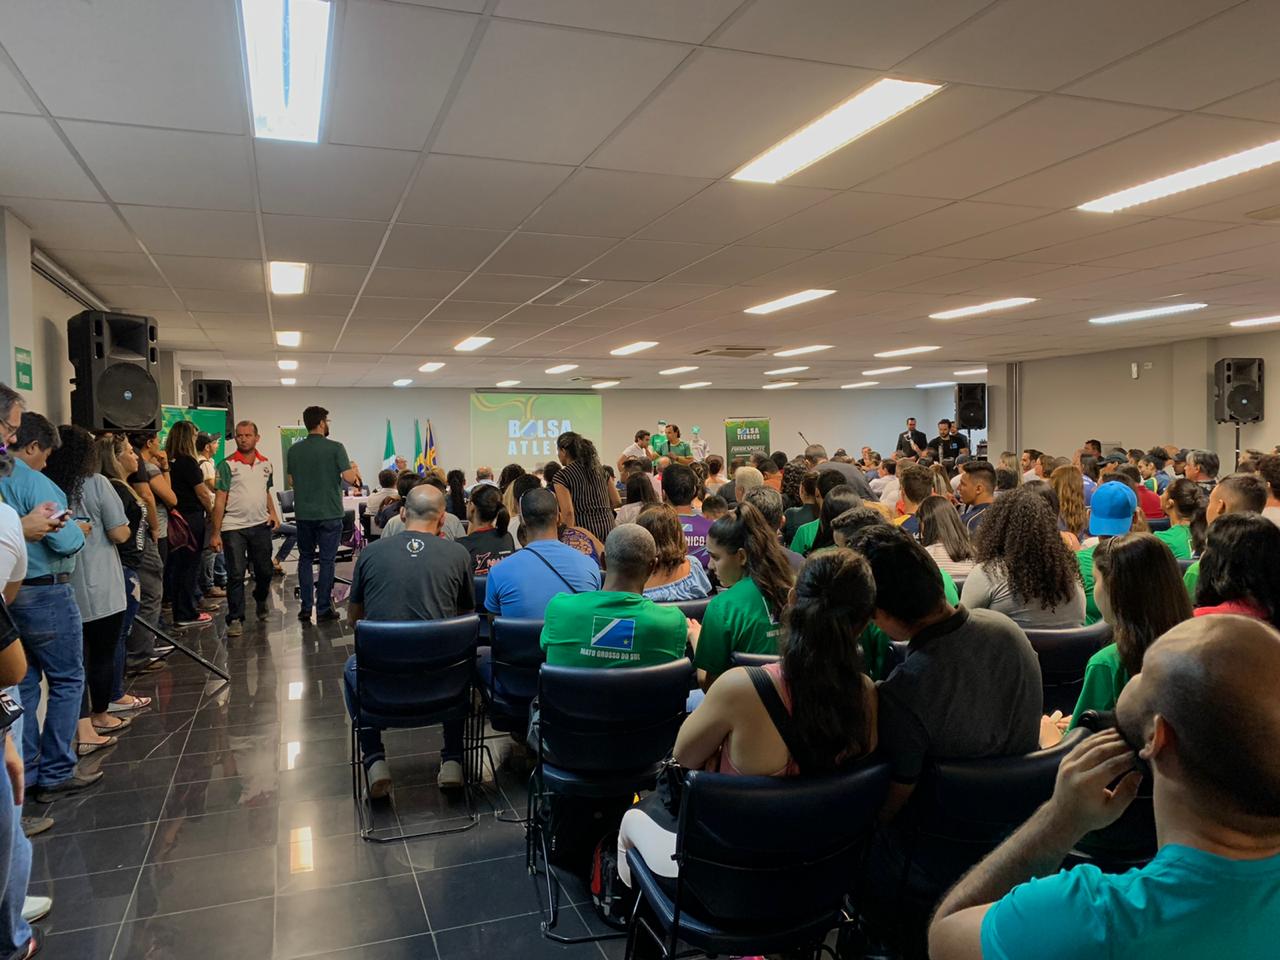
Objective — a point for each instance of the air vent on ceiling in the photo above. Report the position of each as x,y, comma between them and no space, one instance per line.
1266,213
565,292
730,352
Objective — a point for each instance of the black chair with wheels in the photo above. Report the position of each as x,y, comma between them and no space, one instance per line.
413,674
510,673
1063,656
739,659
601,733
1157,523
764,863
693,609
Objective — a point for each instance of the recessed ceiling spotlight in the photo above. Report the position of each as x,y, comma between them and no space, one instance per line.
781,370
288,338
905,352
1198,176
797,351
636,347
1143,314
989,307
860,114
472,343
859,385
790,300
431,366
562,368
877,372
287,364
674,370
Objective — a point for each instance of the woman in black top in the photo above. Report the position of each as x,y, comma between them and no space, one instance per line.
487,539
456,498
194,499
587,498
118,462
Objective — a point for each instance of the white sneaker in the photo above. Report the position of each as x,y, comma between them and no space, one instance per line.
36,908
450,776
379,780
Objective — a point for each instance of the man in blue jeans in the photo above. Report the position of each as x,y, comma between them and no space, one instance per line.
49,620
317,467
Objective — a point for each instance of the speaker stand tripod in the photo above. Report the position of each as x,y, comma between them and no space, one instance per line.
183,648
1237,466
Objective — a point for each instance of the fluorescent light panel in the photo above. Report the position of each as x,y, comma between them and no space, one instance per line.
1198,176
288,278
905,352
936,383
880,370
781,370
288,381
857,386
780,384
1256,322
695,384
507,383
790,300
1143,314
605,384
674,370
969,373
286,48
287,364
431,366
402,382
636,347
989,307
562,368
797,351
472,343
860,114
288,338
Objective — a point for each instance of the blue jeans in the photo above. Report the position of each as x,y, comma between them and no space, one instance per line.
289,536
132,600
324,535
371,737
49,621
15,860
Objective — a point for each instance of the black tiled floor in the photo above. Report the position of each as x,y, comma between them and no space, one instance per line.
224,827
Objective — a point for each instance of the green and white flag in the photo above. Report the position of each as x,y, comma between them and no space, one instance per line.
389,450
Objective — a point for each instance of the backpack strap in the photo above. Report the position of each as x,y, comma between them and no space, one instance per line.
777,710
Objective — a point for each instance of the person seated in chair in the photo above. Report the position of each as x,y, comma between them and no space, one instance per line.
411,575
1199,721
811,713
523,584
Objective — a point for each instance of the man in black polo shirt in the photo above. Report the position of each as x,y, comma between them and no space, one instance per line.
911,442
947,445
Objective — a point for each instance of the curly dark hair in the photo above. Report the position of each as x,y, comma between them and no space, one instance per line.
792,476
1019,539
73,461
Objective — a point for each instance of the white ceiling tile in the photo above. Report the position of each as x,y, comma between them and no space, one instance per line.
823,269
1196,248
737,264
209,273
329,180
662,19
725,108
1033,234
433,284
336,278
439,248
500,288
908,271
92,267
524,97
138,299
1239,204
315,240
1194,68
471,312
863,33
168,168
381,330
1262,103
138,64
72,225
474,192
841,218
999,275
391,70
611,203
937,228
1061,278
195,233
647,259
1042,44
1138,236
13,97
728,211
664,296
219,300
311,305
386,308
37,164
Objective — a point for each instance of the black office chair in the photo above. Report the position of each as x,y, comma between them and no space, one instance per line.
286,501
1063,656
480,586
764,862
1185,565
413,674
602,733
739,659
510,676
1157,523
693,609
898,650
1131,840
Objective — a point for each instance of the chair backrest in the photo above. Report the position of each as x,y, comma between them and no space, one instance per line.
480,584
959,582
1063,656
612,719
1157,523
1185,565
286,501
739,659
406,669
897,654
961,810
516,655
693,609
775,850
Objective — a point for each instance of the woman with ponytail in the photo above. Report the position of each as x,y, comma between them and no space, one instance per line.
817,690
751,565
487,539
1184,504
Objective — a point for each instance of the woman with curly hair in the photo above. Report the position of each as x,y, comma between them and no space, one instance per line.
587,498
1073,515
792,477
1024,570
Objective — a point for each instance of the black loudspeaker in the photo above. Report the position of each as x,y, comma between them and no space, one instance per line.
215,393
1237,390
971,406
115,359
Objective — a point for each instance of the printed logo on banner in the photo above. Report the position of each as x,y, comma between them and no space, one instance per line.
613,634
534,437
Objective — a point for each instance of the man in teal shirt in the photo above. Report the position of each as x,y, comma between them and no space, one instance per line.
1200,717
316,465
672,447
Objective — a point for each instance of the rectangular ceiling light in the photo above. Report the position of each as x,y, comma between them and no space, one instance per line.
674,370
288,278
636,347
1198,176
1256,322
877,372
288,381
431,366
781,370
780,384
287,364
791,300
797,351
604,384
507,383
472,343
286,48
1143,314
402,382
860,114
905,352
858,386
977,308
936,383
562,368
695,384
288,338
976,371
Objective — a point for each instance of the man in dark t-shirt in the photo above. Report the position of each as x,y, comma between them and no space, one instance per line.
413,575
947,445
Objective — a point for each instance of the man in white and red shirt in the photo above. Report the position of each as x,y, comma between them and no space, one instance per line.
244,515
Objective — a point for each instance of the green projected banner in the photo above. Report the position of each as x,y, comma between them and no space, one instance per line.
746,435
522,427
210,420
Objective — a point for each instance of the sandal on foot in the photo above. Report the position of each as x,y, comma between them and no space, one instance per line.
86,749
124,724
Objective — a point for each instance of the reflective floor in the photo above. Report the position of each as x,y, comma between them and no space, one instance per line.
224,827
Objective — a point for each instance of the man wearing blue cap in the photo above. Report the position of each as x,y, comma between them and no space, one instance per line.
1111,515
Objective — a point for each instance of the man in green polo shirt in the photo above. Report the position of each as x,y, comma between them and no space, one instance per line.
615,626
316,466
672,447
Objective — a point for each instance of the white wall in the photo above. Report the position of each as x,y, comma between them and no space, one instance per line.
836,418
51,370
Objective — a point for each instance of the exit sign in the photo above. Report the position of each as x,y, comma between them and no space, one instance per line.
22,368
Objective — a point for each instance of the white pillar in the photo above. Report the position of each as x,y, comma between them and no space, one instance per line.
16,310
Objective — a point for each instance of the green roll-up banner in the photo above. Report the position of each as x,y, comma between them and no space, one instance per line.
744,436
210,420
288,437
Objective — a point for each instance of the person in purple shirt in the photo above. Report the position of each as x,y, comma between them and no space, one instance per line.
679,484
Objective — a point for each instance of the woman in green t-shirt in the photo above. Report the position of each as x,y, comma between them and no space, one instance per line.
835,500
1184,503
749,561
1138,588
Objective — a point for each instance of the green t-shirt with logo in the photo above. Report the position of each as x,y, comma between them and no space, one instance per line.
1178,539
680,448
737,620
1104,678
315,465
802,542
875,642
1084,558
1190,579
608,628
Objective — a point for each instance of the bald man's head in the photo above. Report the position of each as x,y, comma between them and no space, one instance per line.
423,504
629,552
1204,706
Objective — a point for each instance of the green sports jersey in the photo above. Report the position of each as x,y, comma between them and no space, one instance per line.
1178,540
664,449
1085,560
737,620
802,542
1104,678
608,628
1190,579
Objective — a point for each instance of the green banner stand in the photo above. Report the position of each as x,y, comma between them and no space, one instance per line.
288,437
744,436
210,420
